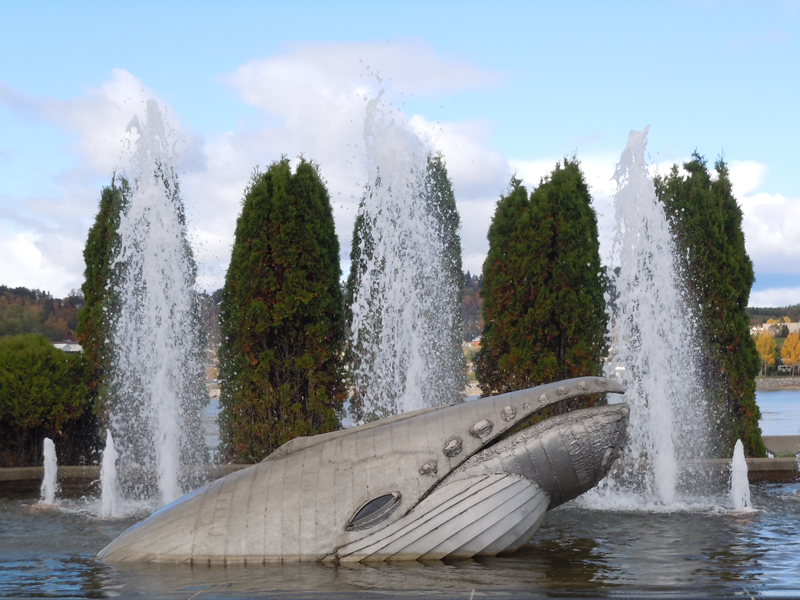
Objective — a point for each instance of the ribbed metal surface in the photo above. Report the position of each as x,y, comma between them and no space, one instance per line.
297,504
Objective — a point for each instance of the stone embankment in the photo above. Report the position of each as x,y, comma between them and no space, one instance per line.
778,383
18,480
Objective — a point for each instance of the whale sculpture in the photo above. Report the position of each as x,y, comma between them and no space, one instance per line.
453,481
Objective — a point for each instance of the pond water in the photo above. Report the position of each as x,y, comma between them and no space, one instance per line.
577,552
780,411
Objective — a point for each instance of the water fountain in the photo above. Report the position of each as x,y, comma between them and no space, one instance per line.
109,484
652,351
157,390
578,551
50,479
401,311
740,486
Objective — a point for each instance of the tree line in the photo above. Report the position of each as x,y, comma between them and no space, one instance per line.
539,305
36,311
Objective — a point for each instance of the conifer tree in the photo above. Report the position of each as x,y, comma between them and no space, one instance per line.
706,221
441,202
281,316
361,251
543,286
94,319
503,306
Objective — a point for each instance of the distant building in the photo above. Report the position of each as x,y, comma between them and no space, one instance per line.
475,344
69,346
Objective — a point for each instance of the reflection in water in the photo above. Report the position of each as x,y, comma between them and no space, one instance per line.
578,552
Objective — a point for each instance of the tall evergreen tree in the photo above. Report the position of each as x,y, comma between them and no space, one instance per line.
502,306
94,320
441,202
707,224
361,251
281,316
543,286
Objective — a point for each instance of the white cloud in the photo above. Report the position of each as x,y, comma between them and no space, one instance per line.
776,297
313,97
769,223
45,234
51,263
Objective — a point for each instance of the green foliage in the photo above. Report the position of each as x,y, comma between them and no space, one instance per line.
93,329
707,224
362,249
281,316
42,394
362,239
441,202
542,286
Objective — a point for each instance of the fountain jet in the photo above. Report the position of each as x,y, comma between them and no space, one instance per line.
50,479
157,390
109,486
402,313
653,353
740,486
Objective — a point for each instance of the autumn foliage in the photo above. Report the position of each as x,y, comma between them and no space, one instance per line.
790,351
25,311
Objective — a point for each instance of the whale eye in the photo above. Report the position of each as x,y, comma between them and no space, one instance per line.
374,511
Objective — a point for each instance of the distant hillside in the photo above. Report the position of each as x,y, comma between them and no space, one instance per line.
36,311
760,315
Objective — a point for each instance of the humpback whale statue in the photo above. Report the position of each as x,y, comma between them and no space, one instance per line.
446,482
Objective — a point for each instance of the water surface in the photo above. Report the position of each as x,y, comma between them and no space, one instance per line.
577,552
780,411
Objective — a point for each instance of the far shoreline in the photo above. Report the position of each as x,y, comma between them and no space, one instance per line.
771,384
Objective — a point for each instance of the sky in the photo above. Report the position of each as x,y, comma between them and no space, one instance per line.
500,88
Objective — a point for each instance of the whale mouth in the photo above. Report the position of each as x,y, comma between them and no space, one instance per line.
565,455
496,499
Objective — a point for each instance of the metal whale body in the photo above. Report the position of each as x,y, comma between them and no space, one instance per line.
444,482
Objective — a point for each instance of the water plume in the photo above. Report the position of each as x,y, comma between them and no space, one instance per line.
157,390
109,485
740,486
401,310
50,479
652,347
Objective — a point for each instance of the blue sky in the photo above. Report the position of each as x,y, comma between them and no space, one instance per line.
497,87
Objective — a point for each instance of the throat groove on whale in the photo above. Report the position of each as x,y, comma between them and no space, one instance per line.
396,489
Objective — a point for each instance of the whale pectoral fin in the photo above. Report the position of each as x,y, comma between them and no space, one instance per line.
459,519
